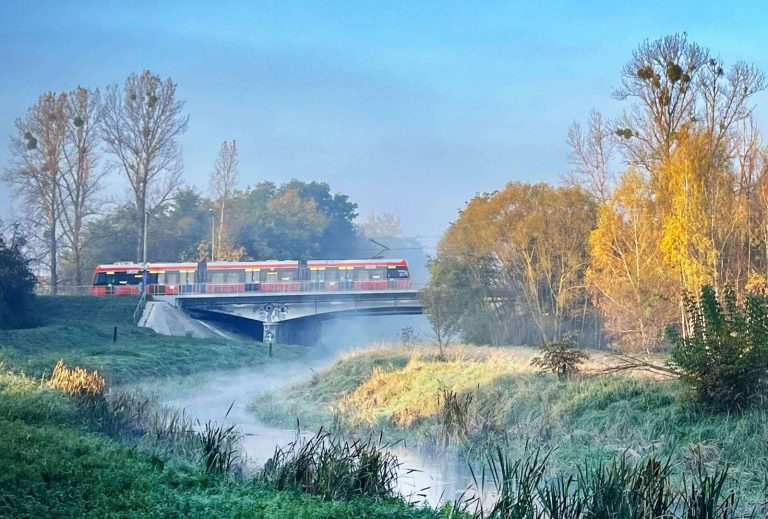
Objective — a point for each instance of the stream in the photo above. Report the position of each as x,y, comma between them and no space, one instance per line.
207,396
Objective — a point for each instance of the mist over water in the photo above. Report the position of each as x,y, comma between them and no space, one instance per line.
347,334
207,396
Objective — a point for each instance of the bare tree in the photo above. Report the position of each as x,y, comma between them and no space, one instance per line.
141,126
725,98
662,77
80,181
590,155
441,308
34,172
222,182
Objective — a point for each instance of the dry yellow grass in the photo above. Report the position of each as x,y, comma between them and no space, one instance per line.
77,382
409,394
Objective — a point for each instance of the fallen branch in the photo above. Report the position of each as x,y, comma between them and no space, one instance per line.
629,362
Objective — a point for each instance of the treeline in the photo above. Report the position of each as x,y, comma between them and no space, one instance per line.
670,196
69,145
265,221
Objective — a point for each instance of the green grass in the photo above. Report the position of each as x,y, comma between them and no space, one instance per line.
56,460
79,331
595,419
51,464
312,401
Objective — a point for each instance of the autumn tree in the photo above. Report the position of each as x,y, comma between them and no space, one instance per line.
142,124
523,261
687,135
35,169
626,275
80,180
221,185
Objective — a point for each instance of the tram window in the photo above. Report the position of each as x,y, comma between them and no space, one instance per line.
331,274
398,273
289,274
236,276
377,273
102,278
217,277
128,278
172,277
317,275
362,274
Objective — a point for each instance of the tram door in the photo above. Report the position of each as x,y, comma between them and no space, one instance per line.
201,276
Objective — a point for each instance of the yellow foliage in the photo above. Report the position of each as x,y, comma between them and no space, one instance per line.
626,275
77,382
686,241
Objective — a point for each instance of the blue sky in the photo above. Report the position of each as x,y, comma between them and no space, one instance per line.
408,107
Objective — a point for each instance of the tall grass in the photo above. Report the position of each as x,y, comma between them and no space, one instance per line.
220,445
334,468
453,416
78,382
510,488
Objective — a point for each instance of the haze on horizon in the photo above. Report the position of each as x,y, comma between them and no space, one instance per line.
409,109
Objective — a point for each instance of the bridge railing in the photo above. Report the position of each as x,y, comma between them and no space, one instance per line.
283,287
279,287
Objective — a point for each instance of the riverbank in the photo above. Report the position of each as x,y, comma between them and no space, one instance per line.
477,398
63,455
80,331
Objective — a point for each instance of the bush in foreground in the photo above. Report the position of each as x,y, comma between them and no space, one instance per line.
17,283
724,354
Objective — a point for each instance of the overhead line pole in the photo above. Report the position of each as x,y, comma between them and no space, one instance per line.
145,277
213,236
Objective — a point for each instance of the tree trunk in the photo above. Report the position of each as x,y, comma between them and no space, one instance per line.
53,247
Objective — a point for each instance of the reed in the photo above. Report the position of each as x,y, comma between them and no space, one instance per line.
220,445
334,468
510,488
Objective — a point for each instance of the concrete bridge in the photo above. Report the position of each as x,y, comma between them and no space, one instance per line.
295,317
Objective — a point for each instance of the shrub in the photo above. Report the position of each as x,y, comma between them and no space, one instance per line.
724,354
561,358
17,283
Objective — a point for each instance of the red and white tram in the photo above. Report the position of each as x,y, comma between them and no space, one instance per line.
251,276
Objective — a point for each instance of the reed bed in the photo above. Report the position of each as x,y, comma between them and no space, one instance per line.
509,488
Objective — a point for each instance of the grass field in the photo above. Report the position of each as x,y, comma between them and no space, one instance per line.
488,396
79,330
